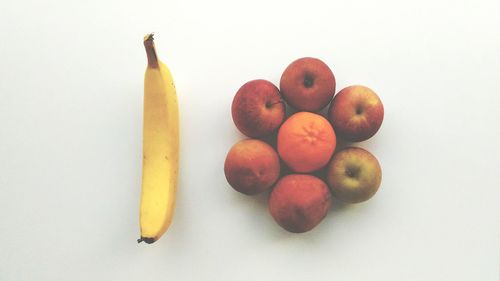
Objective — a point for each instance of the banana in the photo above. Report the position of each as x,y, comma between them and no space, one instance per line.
160,165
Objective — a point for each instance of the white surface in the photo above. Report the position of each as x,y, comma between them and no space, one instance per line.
70,139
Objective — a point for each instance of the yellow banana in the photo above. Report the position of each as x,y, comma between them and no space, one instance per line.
160,147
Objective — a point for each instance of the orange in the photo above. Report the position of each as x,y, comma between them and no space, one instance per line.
306,142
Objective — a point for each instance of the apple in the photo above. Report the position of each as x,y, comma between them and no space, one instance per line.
307,84
299,202
251,166
354,175
356,113
257,108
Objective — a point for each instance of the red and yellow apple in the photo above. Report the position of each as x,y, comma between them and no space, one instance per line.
251,166
299,202
356,113
354,175
308,84
257,108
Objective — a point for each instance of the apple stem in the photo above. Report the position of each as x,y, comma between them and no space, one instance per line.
273,103
149,44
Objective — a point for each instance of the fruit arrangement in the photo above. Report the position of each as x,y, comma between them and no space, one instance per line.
284,155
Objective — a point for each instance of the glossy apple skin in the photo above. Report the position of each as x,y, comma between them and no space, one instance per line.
356,113
354,175
251,166
258,109
299,202
308,84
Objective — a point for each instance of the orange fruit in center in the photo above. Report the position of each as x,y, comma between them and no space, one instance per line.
306,142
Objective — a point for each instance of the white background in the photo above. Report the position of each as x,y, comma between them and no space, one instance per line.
71,85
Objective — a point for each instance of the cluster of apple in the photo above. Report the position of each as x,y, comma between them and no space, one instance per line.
296,156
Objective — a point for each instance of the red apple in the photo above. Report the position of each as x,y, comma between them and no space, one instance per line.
251,166
354,175
308,84
257,108
356,113
299,202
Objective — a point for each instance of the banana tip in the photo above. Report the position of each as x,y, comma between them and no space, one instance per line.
147,240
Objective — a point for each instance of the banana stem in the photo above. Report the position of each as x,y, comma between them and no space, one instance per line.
149,44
